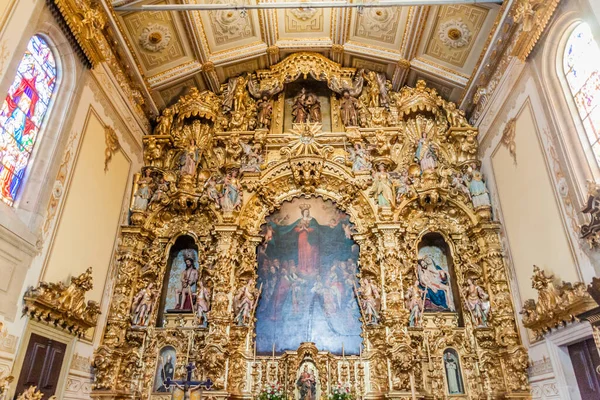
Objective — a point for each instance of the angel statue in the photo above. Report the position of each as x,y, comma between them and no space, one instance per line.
244,303
264,92
142,306
377,92
360,158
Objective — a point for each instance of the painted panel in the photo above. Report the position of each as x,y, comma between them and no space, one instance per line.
307,269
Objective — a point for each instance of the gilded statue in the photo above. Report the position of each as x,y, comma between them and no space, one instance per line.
233,150
235,95
164,122
377,92
73,297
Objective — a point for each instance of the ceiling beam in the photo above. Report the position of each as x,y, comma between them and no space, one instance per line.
297,4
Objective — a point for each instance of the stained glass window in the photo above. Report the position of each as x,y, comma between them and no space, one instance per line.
22,114
581,63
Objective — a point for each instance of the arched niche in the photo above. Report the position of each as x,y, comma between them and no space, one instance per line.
182,265
308,274
436,278
452,368
166,364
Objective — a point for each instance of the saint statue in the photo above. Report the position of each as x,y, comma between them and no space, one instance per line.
202,303
349,109
265,112
185,293
402,186
232,196
307,384
370,301
252,159
189,159
360,157
382,187
306,108
434,280
142,306
414,303
244,302
458,183
479,193
425,154
142,195
160,194
478,302
167,371
453,373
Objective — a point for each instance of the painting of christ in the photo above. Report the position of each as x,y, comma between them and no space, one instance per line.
307,265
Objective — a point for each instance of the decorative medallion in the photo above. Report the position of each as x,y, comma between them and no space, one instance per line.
303,13
454,33
155,37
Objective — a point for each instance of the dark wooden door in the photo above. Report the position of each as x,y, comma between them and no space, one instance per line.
585,360
42,365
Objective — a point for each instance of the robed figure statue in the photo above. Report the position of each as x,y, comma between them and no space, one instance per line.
307,384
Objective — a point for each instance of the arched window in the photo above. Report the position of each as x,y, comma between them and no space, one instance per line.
581,63
22,114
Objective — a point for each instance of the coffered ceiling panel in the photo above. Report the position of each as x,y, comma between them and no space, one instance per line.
227,29
380,27
303,23
455,36
159,40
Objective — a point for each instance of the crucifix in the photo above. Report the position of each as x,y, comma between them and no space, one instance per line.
188,386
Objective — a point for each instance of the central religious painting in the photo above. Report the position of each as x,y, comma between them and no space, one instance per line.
307,267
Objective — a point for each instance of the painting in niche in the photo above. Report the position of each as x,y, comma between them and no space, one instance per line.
307,382
315,92
307,266
182,283
453,374
165,368
434,280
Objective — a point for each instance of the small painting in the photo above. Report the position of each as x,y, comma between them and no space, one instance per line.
183,278
165,368
434,280
307,266
307,382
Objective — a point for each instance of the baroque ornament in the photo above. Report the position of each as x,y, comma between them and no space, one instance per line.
401,170
155,37
556,304
63,306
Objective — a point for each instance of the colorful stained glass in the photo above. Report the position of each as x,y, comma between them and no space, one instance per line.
22,114
581,63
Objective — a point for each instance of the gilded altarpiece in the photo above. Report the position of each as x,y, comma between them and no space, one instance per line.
384,221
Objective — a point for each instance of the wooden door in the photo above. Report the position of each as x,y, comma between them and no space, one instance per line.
41,365
586,363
